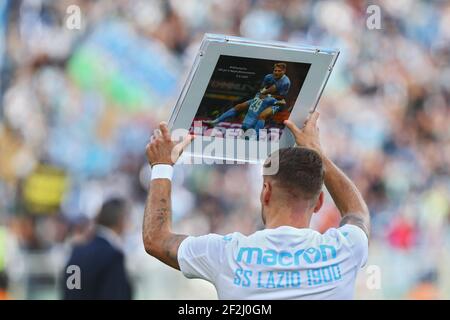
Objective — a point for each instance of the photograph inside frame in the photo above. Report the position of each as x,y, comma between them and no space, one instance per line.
249,98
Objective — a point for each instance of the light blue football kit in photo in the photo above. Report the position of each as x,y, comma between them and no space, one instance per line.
257,105
281,263
283,84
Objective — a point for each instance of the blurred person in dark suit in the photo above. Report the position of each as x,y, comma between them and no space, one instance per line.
4,286
101,260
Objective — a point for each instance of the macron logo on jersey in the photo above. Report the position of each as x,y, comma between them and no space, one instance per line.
255,255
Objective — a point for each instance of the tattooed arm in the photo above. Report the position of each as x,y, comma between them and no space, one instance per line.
159,241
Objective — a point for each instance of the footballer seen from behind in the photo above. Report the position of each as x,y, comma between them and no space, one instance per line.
286,260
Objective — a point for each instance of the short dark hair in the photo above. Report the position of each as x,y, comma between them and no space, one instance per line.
300,171
281,65
111,213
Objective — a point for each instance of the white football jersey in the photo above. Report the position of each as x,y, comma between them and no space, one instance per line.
281,263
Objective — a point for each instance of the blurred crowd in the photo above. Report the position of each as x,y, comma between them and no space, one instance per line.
77,107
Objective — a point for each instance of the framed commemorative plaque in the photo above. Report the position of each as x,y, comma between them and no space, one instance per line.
239,92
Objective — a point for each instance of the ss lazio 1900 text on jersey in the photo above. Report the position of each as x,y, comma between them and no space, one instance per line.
281,263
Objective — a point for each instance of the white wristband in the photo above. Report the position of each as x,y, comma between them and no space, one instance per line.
162,171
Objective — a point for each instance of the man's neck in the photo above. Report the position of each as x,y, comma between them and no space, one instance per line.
281,223
286,216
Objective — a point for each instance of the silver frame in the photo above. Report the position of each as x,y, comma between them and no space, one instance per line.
322,61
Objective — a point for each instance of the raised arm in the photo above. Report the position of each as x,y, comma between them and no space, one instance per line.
159,241
345,194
